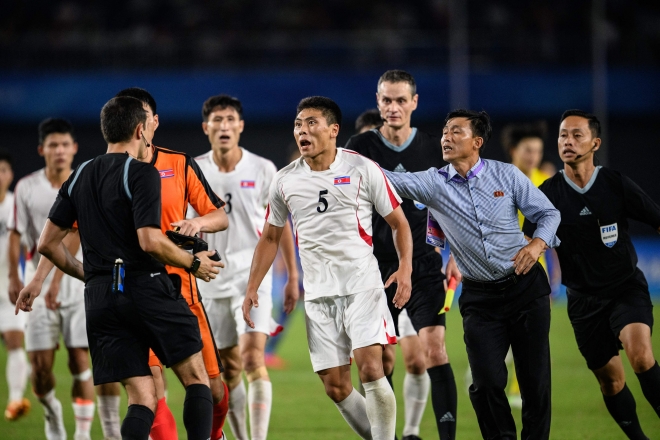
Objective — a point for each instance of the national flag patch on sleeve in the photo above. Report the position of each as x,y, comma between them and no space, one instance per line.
343,180
247,183
166,173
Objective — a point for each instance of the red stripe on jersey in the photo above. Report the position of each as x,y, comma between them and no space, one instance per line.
258,232
395,203
363,234
390,339
267,211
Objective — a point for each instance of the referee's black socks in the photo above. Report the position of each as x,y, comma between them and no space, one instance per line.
137,423
623,410
650,382
198,412
443,397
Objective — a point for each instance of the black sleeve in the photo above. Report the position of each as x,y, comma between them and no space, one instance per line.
144,184
63,213
639,205
352,145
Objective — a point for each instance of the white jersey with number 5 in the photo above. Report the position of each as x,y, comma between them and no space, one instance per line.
245,191
331,211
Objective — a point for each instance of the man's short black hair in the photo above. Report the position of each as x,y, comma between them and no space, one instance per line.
55,125
479,122
397,76
512,134
6,157
329,108
370,118
222,101
594,123
119,118
141,95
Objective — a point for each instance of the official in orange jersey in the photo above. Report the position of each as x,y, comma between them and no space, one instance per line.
183,183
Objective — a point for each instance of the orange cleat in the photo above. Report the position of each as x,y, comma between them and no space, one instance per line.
17,409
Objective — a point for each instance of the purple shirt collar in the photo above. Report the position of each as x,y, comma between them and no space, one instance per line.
452,174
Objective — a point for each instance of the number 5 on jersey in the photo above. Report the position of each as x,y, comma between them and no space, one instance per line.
323,201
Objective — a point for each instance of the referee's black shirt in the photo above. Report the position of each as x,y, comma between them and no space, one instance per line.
423,152
596,254
111,199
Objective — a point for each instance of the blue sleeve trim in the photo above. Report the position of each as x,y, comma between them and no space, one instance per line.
75,178
128,191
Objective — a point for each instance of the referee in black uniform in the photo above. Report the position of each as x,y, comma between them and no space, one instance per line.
115,199
398,147
609,304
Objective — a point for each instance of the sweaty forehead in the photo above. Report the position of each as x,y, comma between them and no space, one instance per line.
575,123
310,113
460,122
394,90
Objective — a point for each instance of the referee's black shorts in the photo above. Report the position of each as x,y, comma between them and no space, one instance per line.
121,327
597,320
428,292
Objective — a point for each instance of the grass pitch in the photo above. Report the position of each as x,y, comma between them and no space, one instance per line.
302,411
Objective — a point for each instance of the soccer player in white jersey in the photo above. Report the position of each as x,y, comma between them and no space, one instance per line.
330,193
12,327
62,309
242,179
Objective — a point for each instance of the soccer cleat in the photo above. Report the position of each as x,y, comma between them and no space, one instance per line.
411,437
17,409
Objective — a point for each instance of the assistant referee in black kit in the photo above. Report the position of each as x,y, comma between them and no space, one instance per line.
397,146
609,304
116,201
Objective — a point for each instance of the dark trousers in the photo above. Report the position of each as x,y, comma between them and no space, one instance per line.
518,316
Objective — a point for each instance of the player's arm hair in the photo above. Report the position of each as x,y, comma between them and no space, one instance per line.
52,246
214,221
288,248
401,235
14,253
264,255
153,242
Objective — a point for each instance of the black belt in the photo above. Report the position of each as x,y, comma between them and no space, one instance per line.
496,285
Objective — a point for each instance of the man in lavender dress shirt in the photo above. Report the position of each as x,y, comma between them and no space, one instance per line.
505,298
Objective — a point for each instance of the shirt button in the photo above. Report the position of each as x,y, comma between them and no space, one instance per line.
476,206
484,239
480,223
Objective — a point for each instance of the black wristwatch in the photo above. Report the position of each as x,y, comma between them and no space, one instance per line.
195,264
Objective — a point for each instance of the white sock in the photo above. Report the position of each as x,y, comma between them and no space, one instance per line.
415,394
260,400
109,414
83,410
236,414
17,373
381,409
54,422
354,410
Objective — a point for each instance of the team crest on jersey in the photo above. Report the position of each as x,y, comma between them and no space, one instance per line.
164,174
247,183
609,234
343,180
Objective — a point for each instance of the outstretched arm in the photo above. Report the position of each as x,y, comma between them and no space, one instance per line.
264,255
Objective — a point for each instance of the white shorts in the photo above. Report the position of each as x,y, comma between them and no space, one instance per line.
9,321
225,317
405,325
336,325
44,327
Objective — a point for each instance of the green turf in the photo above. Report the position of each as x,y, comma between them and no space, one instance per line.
302,411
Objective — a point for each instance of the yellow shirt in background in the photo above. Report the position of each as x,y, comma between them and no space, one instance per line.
537,177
